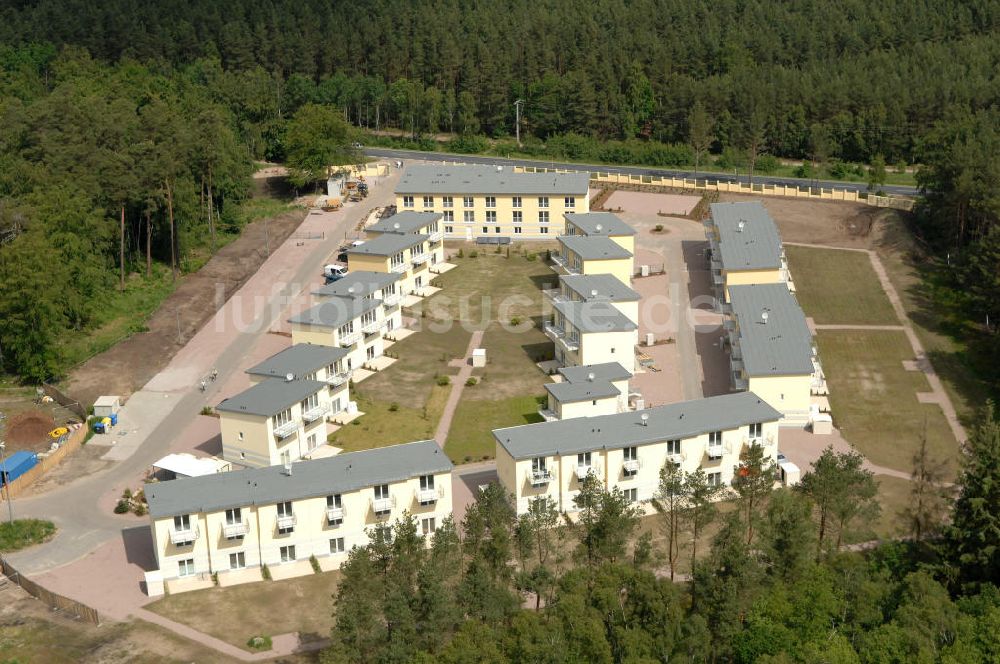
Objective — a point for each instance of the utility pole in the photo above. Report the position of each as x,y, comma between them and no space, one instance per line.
517,122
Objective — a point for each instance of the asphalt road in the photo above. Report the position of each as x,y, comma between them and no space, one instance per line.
898,190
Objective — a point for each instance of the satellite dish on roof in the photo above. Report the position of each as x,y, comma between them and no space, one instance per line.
396,225
598,228
499,169
739,226
590,376
593,292
645,419
764,316
289,377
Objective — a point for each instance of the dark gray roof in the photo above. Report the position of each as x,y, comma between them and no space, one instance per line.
609,287
672,422
270,396
343,473
599,223
594,248
335,311
757,246
482,179
783,345
606,371
388,244
405,222
298,360
574,392
362,282
595,317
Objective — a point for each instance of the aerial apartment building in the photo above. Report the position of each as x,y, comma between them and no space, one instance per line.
580,254
478,200
626,451
582,391
410,255
771,350
233,525
601,224
597,288
592,333
380,286
745,247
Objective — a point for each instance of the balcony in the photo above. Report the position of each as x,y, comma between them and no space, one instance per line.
383,506
429,495
285,430
399,268
285,521
436,236
676,458
348,339
739,382
334,513
555,295
558,334
373,327
185,536
583,471
540,477
234,530
548,415
419,259
717,450
390,299
338,379
631,465
316,412
564,264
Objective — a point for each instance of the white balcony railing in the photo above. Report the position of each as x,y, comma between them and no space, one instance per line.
717,450
583,471
678,457
338,379
631,465
349,339
390,299
285,430
238,529
373,327
540,477
547,414
564,264
418,259
399,268
558,335
383,505
286,521
184,536
436,236
334,513
428,495
316,412
555,295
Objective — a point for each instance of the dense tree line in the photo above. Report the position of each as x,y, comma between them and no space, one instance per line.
775,585
846,79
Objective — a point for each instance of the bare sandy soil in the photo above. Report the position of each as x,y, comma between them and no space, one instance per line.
645,203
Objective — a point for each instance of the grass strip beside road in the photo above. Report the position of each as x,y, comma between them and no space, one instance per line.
23,533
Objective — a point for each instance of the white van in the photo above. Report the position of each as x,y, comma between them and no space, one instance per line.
333,272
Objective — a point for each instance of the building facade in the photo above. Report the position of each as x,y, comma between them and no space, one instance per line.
358,324
582,255
745,248
410,255
601,224
597,288
591,333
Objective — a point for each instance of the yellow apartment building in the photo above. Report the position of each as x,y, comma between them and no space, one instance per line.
580,254
382,286
601,224
410,255
357,324
583,391
626,451
478,200
745,247
771,349
278,421
233,524
591,333
597,288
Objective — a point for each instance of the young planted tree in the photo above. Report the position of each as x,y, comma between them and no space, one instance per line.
604,525
535,535
929,494
841,491
787,535
700,511
876,174
671,500
753,483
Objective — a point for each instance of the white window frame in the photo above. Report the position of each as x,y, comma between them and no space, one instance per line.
428,201
543,216
491,216
447,201
468,201
428,526
287,553
469,216
515,202
237,560
449,216
491,201
407,201
185,567
569,201
337,545
543,201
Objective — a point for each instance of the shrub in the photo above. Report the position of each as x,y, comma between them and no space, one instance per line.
515,321
122,507
460,254
443,380
766,164
215,579
658,228
315,564
206,410
468,458
393,407
127,494
265,573
259,642
473,254
471,381
530,256
140,509
804,171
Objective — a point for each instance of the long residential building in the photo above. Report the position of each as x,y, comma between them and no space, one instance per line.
745,247
597,288
410,255
581,391
477,201
592,333
626,451
234,524
580,254
601,224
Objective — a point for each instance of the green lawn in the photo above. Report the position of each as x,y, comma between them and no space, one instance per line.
874,398
471,434
23,533
839,287
267,608
384,424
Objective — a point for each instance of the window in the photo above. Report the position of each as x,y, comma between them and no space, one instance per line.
185,567
631,495
449,215
544,230
517,230
469,216
491,216
182,526
673,447
447,202
396,260
543,216
383,503
583,459
288,553
428,201
426,482
337,545
496,229
543,201
569,201
237,560
515,201
286,519
284,417
755,430
491,201
486,229
234,517
309,402
449,229
538,465
407,201
714,479
334,503
630,457
467,201
517,217
715,438
427,526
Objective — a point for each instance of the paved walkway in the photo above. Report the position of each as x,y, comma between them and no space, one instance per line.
457,386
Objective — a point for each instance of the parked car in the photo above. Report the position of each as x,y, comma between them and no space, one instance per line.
333,272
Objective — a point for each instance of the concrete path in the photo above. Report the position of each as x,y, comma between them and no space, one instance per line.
457,386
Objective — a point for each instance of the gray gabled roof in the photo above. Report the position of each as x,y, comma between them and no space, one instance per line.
358,284
595,317
342,473
482,179
388,244
608,287
335,311
754,245
672,422
594,248
270,396
783,345
599,223
298,360
576,392
405,222
606,371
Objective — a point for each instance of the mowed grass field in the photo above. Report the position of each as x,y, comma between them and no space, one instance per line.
874,399
837,287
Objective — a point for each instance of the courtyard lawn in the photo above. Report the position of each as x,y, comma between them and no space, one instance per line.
388,423
237,613
471,435
874,399
837,287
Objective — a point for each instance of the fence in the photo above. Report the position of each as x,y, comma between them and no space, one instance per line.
51,599
65,401
73,442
